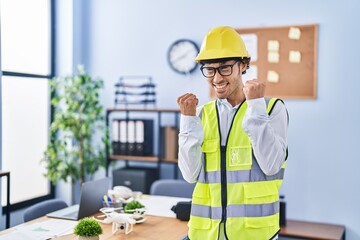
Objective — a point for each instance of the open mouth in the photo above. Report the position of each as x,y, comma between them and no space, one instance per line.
220,86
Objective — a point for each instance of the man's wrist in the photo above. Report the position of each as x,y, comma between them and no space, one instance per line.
257,105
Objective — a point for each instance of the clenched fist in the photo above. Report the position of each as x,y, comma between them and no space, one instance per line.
254,89
187,104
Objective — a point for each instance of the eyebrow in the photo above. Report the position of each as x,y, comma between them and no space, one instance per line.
220,64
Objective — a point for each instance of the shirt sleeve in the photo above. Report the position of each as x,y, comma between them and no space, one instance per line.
268,134
191,136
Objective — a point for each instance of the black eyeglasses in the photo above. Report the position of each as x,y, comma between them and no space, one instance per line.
224,70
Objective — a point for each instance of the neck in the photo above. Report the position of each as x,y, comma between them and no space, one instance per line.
236,99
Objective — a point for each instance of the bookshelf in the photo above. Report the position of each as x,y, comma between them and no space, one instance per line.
158,156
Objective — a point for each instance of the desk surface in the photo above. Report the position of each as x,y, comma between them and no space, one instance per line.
311,230
154,228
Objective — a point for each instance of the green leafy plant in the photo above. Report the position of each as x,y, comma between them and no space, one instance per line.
78,116
88,227
129,207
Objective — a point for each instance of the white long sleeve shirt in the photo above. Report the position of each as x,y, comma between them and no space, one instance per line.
268,135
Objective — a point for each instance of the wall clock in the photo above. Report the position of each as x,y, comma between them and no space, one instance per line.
181,56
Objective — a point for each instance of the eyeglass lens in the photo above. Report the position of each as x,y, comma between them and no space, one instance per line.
224,70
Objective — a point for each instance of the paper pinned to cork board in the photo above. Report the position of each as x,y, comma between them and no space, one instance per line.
273,57
272,76
294,56
294,33
273,45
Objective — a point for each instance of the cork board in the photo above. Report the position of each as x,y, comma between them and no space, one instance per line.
286,58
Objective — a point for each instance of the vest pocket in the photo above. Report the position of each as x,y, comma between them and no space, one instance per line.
261,198
260,192
261,222
199,223
240,156
201,194
210,149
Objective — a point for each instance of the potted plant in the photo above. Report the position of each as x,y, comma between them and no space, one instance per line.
88,229
136,208
78,116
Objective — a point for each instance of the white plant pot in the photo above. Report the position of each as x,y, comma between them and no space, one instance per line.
89,238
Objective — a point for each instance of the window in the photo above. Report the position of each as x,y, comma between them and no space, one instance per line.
27,65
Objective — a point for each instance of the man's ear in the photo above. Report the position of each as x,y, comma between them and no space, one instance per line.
243,66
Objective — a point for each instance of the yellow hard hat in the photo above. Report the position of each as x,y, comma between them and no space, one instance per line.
222,42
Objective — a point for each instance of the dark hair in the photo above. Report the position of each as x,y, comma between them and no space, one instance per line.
244,60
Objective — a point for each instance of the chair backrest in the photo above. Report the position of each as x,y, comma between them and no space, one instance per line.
172,187
42,208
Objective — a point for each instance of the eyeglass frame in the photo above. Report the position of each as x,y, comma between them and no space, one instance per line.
217,69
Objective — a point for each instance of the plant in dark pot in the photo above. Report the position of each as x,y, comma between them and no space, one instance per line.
88,229
78,136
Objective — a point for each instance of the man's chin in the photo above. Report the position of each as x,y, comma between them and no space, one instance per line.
221,96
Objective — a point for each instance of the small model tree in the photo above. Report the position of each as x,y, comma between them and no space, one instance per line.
88,228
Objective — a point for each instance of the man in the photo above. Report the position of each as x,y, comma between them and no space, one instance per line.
234,148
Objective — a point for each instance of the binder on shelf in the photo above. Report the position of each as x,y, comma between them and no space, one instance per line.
115,137
139,138
134,137
145,137
131,137
123,133
169,136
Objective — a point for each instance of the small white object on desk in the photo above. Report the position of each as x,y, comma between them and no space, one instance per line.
160,205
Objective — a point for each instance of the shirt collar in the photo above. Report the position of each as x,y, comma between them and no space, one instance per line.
225,103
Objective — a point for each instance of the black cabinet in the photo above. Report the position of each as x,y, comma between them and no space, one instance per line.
137,179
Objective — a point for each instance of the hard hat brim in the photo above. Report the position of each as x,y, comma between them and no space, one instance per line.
220,53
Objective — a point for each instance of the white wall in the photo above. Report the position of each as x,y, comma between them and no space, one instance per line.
131,37
0,121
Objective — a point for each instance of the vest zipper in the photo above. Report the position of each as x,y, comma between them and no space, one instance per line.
223,187
223,170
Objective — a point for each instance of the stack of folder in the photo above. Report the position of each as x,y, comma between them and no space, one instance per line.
132,137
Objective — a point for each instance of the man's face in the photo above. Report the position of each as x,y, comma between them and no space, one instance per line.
224,77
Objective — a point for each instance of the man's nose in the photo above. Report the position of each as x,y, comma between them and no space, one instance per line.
218,77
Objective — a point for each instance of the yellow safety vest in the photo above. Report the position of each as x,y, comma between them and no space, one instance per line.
231,188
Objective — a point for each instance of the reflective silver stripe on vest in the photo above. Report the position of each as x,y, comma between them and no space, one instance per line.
238,210
206,211
253,210
253,175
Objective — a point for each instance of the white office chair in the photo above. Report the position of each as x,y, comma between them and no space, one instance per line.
172,188
42,208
